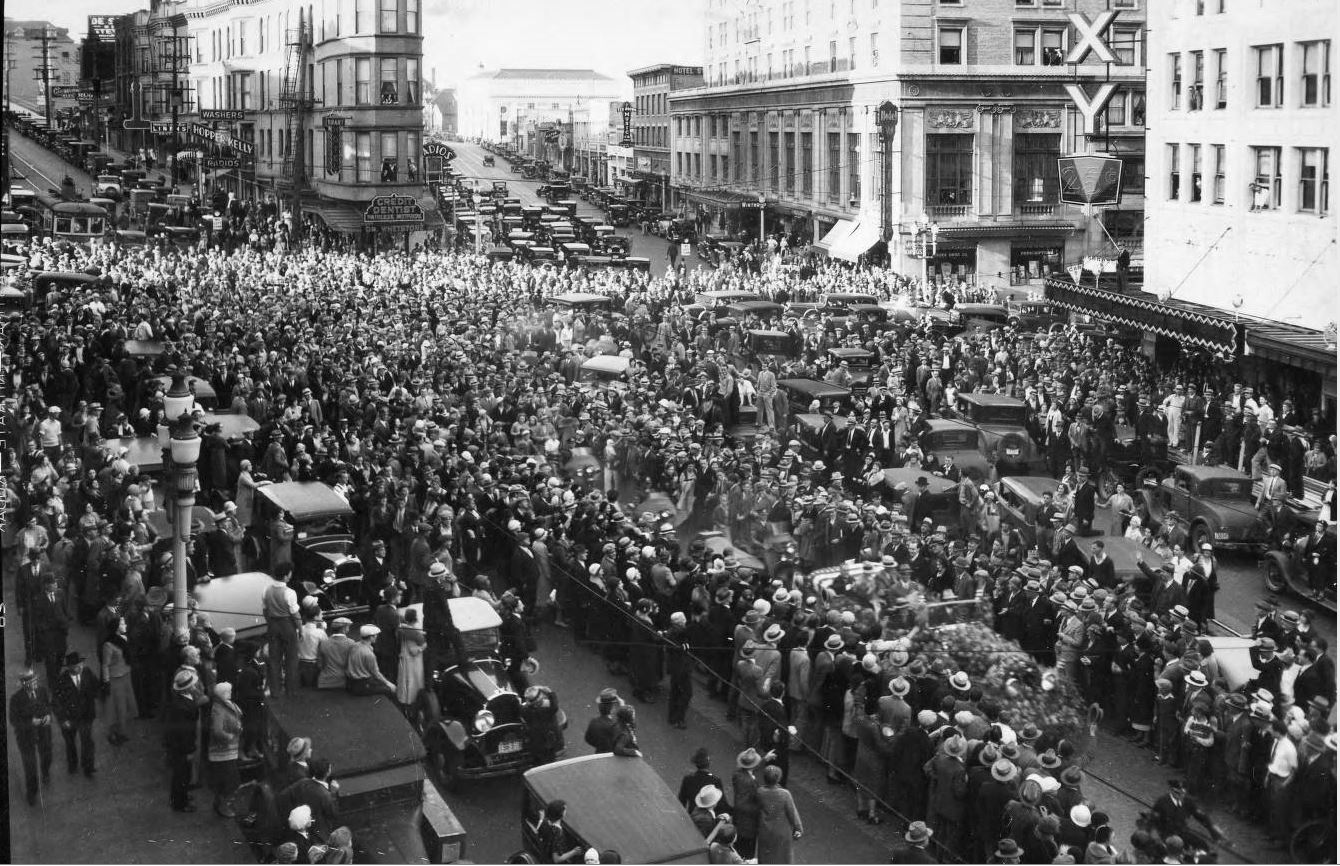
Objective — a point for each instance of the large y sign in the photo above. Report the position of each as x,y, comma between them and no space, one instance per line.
1089,37
1090,108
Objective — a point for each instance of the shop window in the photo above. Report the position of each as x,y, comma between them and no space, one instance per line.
854,166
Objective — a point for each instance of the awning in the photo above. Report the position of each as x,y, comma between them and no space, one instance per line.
1147,313
840,230
996,230
338,217
856,242
1292,345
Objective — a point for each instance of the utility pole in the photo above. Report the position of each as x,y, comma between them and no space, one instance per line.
46,36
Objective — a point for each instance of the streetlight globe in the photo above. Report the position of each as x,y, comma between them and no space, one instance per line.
178,400
185,446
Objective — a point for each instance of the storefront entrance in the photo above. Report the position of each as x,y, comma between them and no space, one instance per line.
1031,260
953,263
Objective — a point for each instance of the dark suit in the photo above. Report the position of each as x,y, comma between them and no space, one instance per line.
1039,628
1010,609
1085,503
316,796
376,577
51,631
1069,555
600,734
32,737
1104,572
76,706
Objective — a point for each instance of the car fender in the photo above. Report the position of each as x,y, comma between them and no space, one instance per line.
455,733
1280,558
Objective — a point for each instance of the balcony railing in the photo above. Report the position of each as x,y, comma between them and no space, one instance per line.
948,211
1037,209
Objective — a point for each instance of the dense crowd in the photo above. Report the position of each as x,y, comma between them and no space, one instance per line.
442,395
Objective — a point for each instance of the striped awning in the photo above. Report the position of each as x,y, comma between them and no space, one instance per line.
339,217
1147,313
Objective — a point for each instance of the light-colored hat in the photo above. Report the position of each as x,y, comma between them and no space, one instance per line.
299,748
708,797
369,631
773,634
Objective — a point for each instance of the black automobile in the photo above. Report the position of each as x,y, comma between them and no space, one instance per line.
469,712
488,162
320,519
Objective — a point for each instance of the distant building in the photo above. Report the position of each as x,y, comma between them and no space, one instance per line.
514,106
652,86
23,82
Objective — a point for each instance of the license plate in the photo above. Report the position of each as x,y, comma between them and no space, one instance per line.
1221,536
1011,452
509,747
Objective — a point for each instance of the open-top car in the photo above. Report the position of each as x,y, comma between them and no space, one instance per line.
1020,497
1215,502
1005,435
321,531
469,712
1290,568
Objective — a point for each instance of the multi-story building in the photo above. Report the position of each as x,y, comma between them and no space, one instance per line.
27,53
510,105
326,101
150,83
652,86
1241,128
985,94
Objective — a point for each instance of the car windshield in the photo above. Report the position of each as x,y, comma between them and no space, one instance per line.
323,526
950,440
1226,488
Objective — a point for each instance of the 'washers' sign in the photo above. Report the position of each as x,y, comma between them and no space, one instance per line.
389,209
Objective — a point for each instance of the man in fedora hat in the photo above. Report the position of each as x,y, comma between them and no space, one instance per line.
30,717
916,844
75,700
601,731
988,806
947,807
1173,812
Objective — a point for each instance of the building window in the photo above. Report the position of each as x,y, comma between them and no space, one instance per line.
1220,78
1218,150
363,157
774,161
1267,186
1035,168
1126,45
1116,109
1028,3
1119,4
411,16
362,15
1316,89
412,81
412,156
1175,60
789,162
1196,94
832,56
949,170
834,167
1269,76
1313,180
951,46
807,164
1195,173
244,92
851,52
756,155
389,89
874,50
1174,172
1053,47
362,81
387,19
854,166
1025,46
390,161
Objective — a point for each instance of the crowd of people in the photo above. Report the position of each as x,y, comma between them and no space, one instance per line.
442,395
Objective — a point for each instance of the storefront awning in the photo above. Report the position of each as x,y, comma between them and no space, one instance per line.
856,242
1147,313
997,230
338,217
840,230
1292,345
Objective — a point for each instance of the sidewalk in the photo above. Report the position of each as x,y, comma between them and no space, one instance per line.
120,815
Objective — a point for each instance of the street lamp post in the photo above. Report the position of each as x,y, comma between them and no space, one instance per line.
886,116
183,444
476,200
925,239
762,206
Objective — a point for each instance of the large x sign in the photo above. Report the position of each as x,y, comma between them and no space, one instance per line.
1090,37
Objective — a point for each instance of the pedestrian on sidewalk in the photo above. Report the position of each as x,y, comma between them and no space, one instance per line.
30,716
118,683
779,825
225,737
76,705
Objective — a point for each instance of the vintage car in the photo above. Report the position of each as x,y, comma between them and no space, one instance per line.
805,428
942,491
984,316
580,301
1215,502
720,544
1020,496
1132,462
948,437
801,394
234,601
768,342
711,300
838,303
488,161
763,310
860,362
605,371
321,535
469,712
613,803
1285,571
1033,315
1005,438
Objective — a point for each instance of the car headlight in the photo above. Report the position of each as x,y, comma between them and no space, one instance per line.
483,721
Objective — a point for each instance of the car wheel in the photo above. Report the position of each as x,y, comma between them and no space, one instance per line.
444,762
1201,534
1275,581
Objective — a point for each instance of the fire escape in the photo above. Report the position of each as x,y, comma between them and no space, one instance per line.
295,97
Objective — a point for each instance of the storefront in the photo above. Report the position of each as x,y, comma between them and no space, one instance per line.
1034,259
955,260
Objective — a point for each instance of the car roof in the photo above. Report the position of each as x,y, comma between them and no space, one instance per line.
850,352
937,425
990,399
579,298
607,364
234,601
306,500
1201,473
904,475
1033,485
814,387
621,803
467,613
